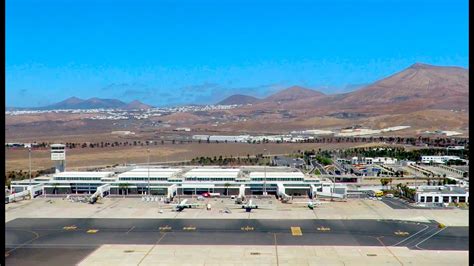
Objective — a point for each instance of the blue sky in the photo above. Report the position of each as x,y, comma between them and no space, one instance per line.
178,52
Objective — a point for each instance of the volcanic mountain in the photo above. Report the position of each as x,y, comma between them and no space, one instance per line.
238,99
136,105
94,103
415,96
418,87
293,93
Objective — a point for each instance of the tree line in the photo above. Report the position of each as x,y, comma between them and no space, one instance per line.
434,142
20,174
259,159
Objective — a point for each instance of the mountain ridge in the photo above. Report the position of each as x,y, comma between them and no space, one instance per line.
238,99
419,86
91,103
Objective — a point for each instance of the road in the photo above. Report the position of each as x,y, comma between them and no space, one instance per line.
28,240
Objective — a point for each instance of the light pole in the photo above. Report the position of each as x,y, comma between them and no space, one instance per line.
29,159
149,190
264,176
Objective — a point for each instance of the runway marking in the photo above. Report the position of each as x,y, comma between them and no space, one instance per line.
165,228
72,227
189,228
401,233
247,228
324,229
130,230
412,235
429,237
26,243
92,231
296,231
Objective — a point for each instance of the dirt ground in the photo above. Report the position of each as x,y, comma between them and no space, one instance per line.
17,159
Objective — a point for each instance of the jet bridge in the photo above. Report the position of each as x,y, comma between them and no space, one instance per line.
172,191
101,191
241,197
326,192
313,191
282,194
29,193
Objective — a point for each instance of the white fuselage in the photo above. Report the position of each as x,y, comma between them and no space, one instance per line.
249,206
182,205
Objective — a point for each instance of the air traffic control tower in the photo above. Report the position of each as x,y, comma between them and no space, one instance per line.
58,155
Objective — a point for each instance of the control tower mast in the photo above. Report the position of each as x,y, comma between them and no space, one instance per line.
58,155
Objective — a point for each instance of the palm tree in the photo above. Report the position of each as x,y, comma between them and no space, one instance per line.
55,187
227,185
124,186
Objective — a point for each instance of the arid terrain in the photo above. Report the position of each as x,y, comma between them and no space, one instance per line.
17,159
422,96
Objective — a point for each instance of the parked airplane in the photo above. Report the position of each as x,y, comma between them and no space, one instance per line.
250,205
211,195
311,204
184,204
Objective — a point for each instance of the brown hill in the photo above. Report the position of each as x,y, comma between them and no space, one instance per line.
77,103
418,87
137,105
238,99
292,94
405,95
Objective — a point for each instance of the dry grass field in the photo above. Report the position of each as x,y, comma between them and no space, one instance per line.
17,159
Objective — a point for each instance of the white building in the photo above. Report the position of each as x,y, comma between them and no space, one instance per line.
76,182
200,137
187,180
438,159
384,160
274,177
239,138
217,138
442,194
214,175
312,132
456,148
186,129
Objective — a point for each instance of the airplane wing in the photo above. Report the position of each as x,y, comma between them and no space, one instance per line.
265,207
235,206
306,202
163,206
195,204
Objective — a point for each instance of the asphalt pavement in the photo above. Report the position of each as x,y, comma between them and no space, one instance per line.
30,240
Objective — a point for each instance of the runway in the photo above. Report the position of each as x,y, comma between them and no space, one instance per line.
28,240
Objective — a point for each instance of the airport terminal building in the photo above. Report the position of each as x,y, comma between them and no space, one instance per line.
188,180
